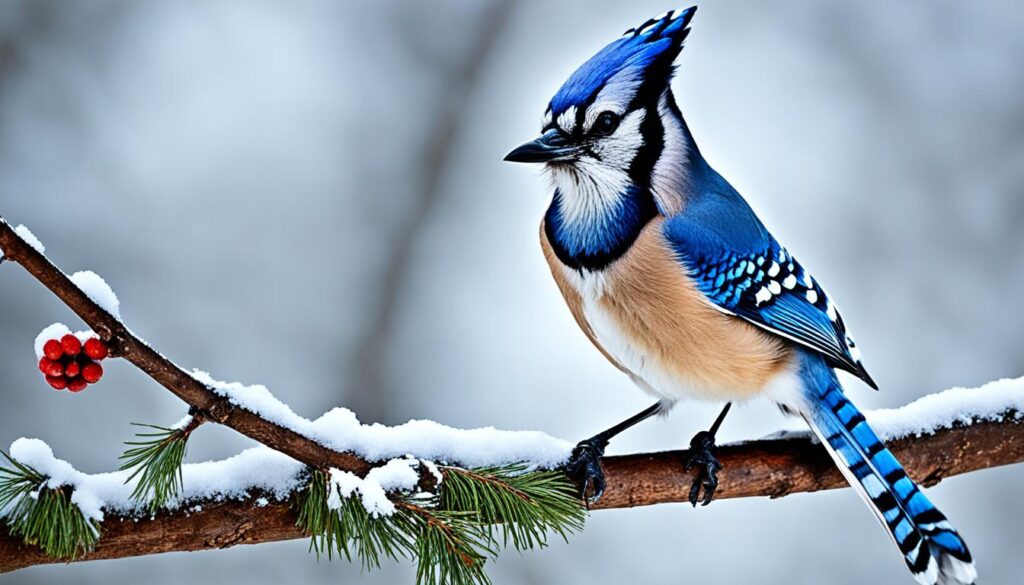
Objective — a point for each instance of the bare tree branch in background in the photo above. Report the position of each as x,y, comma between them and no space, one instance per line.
770,467
372,396
36,20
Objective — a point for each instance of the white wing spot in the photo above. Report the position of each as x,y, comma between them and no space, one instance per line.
789,282
774,270
762,296
774,287
812,296
830,310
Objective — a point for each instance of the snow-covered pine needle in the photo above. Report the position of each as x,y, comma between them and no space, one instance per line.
42,515
346,530
451,535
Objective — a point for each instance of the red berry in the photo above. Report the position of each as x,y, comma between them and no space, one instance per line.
92,372
56,369
77,384
72,369
44,364
56,382
70,344
52,350
95,348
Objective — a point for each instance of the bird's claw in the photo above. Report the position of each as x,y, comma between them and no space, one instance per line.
584,468
702,457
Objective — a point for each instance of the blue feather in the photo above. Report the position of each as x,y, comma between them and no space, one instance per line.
632,54
931,547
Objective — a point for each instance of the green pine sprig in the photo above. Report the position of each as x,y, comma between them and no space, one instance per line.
452,534
522,505
44,516
450,546
156,458
348,531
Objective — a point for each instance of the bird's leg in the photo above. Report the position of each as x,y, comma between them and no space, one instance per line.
584,465
702,456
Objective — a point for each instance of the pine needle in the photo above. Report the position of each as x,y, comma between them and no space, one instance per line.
44,516
157,457
348,530
451,535
523,505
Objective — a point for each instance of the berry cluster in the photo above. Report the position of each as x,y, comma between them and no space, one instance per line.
67,363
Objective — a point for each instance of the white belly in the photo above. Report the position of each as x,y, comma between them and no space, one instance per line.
646,370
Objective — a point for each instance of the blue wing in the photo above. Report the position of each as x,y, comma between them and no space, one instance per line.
744,271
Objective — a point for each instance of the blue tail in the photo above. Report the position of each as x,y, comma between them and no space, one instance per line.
930,545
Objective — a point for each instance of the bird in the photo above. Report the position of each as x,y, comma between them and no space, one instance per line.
677,282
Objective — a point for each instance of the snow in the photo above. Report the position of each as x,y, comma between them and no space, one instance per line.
339,429
98,290
934,412
182,423
56,331
38,455
25,234
395,475
926,415
30,238
258,469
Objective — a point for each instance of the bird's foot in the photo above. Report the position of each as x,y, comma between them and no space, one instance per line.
702,457
584,468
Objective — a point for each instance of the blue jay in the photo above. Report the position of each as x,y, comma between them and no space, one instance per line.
673,277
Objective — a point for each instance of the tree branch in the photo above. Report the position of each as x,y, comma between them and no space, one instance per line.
770,467
125,344
461,80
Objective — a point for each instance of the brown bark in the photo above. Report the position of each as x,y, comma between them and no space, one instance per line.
772,468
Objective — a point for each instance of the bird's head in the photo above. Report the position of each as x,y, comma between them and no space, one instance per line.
604,127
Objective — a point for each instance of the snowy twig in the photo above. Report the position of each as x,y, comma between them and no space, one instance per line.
769,467
125,344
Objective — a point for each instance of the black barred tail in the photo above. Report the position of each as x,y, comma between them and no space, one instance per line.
930,545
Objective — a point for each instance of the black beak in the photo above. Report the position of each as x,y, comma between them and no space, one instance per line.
552,146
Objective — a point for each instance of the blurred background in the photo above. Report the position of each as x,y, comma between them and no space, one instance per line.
310,195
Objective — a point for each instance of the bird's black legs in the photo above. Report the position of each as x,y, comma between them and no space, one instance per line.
702,456
584,464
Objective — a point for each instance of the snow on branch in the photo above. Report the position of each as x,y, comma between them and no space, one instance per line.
229,502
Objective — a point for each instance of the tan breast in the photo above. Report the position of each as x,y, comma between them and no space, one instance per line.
647,317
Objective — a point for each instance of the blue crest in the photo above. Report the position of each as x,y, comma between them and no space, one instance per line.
657,40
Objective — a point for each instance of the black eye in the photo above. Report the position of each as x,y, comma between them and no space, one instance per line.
606,124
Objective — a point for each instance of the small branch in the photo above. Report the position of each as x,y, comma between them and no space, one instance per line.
461,80
771,467
165,372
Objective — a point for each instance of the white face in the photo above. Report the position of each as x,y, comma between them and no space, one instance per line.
599,175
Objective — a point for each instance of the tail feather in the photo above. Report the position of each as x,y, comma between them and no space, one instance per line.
931,547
